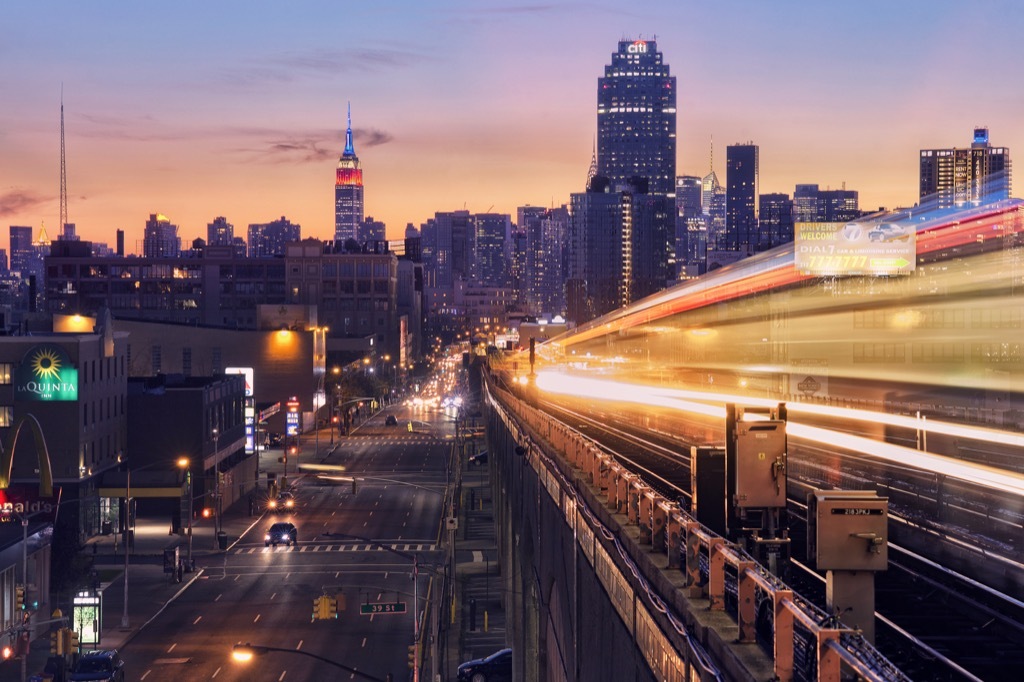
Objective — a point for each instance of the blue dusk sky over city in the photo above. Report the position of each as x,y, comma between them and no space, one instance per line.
202,109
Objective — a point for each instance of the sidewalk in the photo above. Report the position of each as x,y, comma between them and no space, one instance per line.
479,628
149,588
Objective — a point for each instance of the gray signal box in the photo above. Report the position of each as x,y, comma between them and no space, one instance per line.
848,530
760,464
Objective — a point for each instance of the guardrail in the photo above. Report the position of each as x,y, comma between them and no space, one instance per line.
807,644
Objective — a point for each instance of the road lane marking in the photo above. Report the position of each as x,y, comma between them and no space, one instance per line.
299,645
364,642
176,644
256,620
196,621
273,595
146,674
283,673
215,673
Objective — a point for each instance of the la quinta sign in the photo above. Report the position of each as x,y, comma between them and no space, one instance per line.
46,374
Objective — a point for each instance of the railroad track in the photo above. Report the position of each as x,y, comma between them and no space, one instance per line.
933,623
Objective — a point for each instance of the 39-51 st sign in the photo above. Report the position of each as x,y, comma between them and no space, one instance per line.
381,608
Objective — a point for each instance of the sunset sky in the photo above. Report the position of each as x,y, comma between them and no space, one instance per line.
202,109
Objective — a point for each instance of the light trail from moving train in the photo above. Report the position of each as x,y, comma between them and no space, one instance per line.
713,405
953,324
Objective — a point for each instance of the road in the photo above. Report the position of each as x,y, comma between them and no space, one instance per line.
264,595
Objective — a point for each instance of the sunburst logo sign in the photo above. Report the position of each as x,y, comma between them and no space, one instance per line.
46,373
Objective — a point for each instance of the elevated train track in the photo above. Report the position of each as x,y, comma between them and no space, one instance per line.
935,623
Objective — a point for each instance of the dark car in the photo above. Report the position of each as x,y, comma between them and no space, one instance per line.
478,458
390,420
284,503
281,533
105,665
495,668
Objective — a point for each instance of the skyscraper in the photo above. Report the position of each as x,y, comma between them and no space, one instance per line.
492,249
741,198
348,190
160,239
267,240
600,273
636,118
21,247
545,232
220,232
371,230
978,174
775,214
691,230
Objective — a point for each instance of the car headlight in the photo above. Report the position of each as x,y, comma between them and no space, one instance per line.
267,537
273,503
289,503
284,537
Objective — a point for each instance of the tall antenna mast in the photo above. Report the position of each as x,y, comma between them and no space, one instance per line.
63,168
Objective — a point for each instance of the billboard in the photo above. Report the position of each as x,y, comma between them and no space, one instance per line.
46,374
857,248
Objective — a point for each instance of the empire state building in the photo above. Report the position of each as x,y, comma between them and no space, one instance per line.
348,190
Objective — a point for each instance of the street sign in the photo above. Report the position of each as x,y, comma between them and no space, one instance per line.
381,607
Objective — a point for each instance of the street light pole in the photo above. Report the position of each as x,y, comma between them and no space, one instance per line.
415,619
24,580
127,541
216,489
187,464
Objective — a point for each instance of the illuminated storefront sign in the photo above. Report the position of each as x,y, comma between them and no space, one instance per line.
638,47
248,373
830,249
46,374
292,418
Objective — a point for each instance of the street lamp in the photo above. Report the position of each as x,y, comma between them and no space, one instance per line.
244,653
128,532
216,489
184,463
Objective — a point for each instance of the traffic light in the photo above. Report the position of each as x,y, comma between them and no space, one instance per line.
70,642
57,642
325,607
412,657
19,598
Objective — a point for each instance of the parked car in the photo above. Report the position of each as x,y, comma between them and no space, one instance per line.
495,668
390,420
281,533
283,503
478,458
104,665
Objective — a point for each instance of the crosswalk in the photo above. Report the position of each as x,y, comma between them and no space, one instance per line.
313,547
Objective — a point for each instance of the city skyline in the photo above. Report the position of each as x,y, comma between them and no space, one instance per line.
472,105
